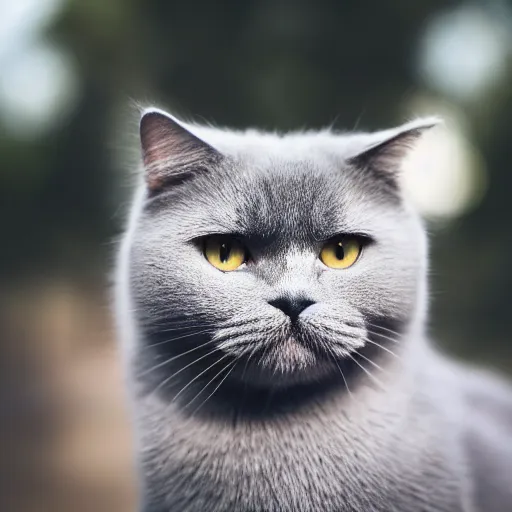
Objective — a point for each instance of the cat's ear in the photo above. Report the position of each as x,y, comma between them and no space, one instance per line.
170,152
385,151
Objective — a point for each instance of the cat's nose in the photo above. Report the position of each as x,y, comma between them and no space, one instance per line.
291,307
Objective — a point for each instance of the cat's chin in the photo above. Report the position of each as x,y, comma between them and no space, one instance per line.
288,363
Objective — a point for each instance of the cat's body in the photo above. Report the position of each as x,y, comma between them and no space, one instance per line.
247,403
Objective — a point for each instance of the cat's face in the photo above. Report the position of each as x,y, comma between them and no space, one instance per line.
276,269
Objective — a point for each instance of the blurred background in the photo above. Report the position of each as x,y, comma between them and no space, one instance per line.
69,73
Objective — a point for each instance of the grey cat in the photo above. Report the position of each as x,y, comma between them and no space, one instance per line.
271,299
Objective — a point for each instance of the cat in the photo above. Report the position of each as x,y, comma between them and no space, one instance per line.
271,300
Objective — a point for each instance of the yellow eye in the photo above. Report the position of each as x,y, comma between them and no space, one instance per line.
341,252
224,252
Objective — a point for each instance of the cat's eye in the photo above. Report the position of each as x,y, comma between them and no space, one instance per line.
225,252
341,252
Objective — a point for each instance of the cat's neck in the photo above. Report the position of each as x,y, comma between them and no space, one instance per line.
372,414
367,425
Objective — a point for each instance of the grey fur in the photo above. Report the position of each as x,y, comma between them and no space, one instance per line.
350,411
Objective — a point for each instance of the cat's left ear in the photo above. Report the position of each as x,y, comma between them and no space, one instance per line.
385,151
170,151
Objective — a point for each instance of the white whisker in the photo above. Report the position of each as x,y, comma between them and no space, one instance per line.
385,329
377,381
341,371
253,351
168,379
199,375
181,354
393,340
177,338
178,327
217,387
367,340
375,365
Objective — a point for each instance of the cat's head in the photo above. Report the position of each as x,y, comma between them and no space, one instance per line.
270,260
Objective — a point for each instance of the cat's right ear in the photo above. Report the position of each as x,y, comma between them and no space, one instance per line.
170,152
384,152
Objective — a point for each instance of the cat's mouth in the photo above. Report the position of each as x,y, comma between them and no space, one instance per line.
294,352
256,354
297,353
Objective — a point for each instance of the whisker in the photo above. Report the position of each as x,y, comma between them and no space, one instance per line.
164,321
168,379
217,387
176,338
341,371
383,336
167,361
235,340
222,370
199,375
268,331
374,364
336,332
377,381
265,351
367,340
385,329
171,324
240,324
253,351
191,326
178,325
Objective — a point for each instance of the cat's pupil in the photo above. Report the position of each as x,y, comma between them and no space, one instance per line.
340,253
224,251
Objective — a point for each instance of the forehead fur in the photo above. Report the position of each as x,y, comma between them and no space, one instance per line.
280,196
267,174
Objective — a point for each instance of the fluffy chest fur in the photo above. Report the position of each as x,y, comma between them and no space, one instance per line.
333,457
